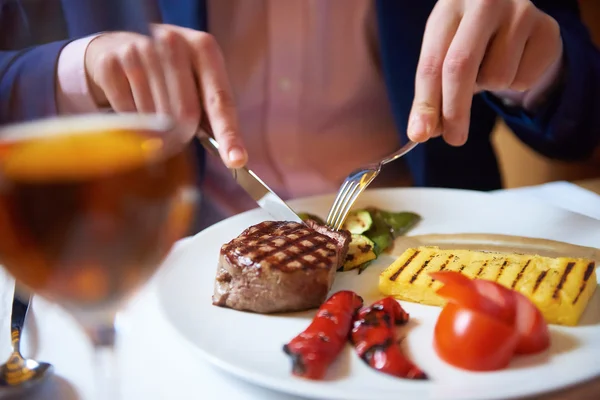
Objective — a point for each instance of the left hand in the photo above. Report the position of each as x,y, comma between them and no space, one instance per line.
474,45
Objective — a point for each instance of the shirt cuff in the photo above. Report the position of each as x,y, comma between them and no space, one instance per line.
72,90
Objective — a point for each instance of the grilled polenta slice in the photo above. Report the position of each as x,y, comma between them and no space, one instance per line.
560,287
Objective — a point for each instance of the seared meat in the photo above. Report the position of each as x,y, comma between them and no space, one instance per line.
279,266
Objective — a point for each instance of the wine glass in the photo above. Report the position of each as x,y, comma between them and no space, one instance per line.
89,207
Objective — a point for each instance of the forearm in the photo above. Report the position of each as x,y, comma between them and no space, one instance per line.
28,82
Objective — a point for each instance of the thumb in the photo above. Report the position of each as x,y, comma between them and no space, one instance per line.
423,122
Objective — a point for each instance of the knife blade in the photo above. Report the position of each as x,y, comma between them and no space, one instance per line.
253,185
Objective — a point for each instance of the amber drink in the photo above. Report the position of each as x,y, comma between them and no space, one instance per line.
90,206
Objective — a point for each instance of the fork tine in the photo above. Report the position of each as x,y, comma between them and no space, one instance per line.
336,204
344,213
345,205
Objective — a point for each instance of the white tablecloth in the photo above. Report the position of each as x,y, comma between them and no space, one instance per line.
156,362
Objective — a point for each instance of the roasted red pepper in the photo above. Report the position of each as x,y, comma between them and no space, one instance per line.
373,337
315,349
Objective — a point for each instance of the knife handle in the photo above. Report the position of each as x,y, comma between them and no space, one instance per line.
205,135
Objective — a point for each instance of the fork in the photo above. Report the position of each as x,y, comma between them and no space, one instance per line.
356,183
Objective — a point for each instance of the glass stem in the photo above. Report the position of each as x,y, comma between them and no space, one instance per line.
106,367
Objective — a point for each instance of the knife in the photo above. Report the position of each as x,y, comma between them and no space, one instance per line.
252,184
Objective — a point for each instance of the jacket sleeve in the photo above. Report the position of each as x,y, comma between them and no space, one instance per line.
28,83
567,126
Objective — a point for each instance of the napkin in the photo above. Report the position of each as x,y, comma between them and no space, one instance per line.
560,194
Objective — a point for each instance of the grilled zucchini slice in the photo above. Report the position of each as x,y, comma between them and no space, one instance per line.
358,222
360,251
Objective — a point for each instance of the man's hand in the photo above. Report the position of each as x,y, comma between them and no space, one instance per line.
179,72
473,45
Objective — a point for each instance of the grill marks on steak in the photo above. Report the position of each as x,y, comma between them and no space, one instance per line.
278,266
282,245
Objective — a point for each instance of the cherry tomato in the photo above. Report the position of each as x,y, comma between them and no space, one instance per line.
479,295
484,323
468,297
518,310
501,296
472,340
534,335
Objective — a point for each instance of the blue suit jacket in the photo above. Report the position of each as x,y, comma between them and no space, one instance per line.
32,33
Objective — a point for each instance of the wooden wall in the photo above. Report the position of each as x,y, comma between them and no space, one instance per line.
520,165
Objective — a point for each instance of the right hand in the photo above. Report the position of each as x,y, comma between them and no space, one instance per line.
179,72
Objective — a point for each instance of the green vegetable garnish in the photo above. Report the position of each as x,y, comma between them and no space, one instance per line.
380,226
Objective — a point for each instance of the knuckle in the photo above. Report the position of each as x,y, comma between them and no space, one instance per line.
430,68
453,116
457,64
167,37
220,99
551,28
171,44
525,10
130,55
425,107
523,17
227,135
107,64
488,4
204,42
189,113
144,46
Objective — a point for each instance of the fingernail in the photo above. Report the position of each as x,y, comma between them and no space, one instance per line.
236,154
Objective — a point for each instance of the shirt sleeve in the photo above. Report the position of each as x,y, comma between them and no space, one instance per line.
72,89
566,125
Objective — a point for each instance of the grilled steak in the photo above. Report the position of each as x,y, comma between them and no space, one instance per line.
279,267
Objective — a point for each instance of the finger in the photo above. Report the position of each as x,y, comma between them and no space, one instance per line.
439,129
156,78
503,56
217,100
424,118
538,55
180,80
138,79
115,85
459,75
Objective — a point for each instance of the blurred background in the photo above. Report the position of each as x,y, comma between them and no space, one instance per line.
520,165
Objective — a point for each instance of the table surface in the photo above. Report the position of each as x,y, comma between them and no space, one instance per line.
590,184
154,365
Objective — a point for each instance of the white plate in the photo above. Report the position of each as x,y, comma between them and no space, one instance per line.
250,345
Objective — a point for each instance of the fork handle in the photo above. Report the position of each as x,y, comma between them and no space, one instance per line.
400,152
